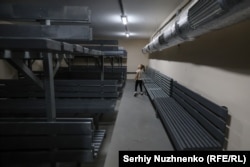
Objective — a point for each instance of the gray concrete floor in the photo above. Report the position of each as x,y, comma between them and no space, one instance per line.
136,127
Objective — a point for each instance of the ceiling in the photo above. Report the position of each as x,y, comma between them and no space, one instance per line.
144,16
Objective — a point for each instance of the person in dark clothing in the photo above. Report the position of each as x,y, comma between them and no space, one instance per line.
138,78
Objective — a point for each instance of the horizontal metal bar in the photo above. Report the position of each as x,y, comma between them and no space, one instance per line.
115,53
35,156
69,106
43,119
58,32
101,42
102,48
66,47
25,43
33,55
44,12
95,53
78,48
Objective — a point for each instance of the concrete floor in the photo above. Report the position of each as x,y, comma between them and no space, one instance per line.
136,127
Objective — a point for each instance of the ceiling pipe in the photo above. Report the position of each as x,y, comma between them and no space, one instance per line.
171,16
198,18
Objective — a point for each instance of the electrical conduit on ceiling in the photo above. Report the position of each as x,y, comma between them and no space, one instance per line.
124,18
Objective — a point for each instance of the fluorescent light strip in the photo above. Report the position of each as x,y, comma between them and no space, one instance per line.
124,20
127,34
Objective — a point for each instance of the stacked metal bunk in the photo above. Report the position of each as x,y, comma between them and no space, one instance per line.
107,65
43,119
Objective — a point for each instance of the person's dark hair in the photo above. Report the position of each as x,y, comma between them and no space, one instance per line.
142,67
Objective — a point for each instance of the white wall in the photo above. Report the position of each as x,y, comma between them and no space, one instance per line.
217,66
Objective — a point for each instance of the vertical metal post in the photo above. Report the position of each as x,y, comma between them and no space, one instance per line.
29,63
102,66
59,59
49,87
112,63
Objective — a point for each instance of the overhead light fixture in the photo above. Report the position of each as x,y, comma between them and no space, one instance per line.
124,19
127,34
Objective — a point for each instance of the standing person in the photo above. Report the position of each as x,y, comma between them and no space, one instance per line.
138,78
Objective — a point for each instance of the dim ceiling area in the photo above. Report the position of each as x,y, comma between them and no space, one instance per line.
144,16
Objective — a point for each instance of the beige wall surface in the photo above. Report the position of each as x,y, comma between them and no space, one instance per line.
135,55
7,71
217,66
